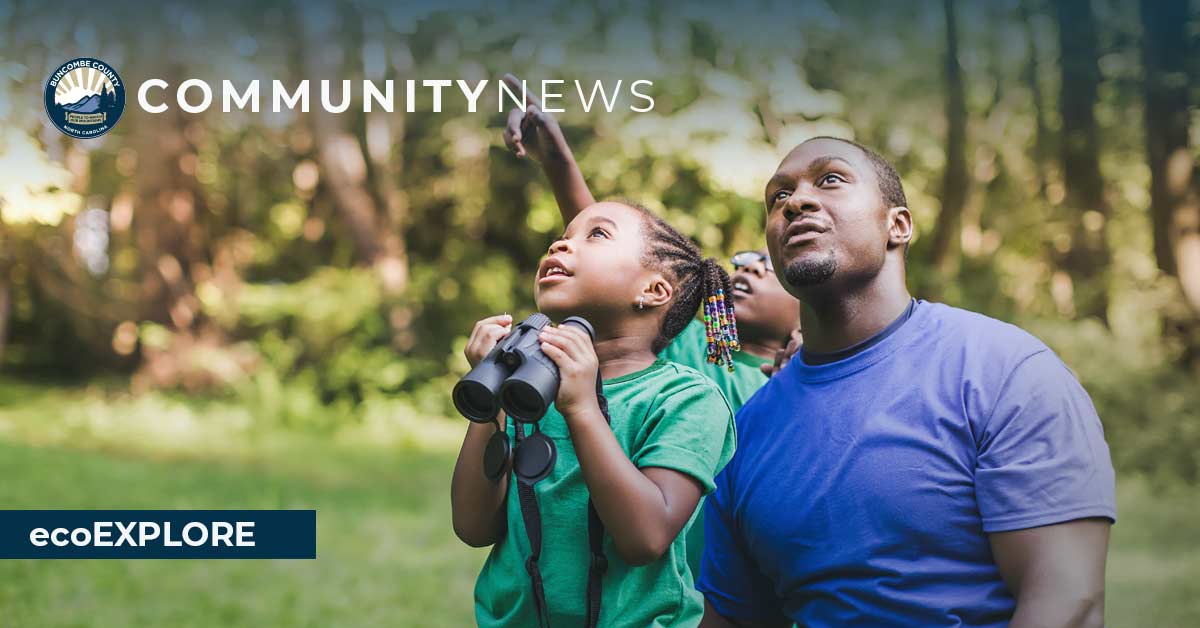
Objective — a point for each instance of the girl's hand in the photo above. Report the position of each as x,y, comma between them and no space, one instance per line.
532,132
484,337
571,349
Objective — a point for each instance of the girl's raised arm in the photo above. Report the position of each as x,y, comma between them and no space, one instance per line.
536,134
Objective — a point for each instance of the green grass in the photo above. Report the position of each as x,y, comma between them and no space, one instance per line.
386,553
1154,558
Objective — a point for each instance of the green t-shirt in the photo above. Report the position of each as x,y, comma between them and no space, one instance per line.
690,348
666,415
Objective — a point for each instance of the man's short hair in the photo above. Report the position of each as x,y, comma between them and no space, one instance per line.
890,187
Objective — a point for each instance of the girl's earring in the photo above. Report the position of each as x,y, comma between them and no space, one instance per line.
641,303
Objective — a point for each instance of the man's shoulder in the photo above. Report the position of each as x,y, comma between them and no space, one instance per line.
998,360
956,328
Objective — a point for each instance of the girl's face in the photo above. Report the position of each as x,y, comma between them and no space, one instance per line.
595,269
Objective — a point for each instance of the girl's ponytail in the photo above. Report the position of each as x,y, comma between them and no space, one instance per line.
720,323
700,285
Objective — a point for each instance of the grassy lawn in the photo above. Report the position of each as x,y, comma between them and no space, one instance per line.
386,554
1154,559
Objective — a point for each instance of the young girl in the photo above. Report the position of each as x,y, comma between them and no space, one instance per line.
639,282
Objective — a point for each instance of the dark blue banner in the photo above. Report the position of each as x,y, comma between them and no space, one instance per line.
158,534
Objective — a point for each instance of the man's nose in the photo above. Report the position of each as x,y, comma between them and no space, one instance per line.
801,201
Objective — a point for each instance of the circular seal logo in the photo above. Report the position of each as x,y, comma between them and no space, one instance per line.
85,97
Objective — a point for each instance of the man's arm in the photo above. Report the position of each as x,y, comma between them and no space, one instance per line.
1044,484
1055,572
536,134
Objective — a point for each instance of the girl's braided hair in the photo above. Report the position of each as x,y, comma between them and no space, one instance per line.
697,281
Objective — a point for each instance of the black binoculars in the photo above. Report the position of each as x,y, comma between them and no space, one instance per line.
516,376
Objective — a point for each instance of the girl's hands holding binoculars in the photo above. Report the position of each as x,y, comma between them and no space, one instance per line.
484,337
571,350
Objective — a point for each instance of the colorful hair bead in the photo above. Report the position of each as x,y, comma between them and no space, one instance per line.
720,325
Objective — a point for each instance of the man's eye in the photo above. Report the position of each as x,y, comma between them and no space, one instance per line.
780,195
598,232
832,178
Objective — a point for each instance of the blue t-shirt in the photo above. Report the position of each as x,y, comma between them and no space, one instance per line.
863,490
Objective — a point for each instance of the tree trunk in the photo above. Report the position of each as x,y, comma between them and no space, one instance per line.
1087,260
1041,150
1174,209
377,240
944,249
164,220
339,154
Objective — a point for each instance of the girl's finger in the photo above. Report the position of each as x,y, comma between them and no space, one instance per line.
577,338
557,355
533,115
551,336
503,320
500,321
573,345
513,123
493,333
564,344
573,332
512,132
514,84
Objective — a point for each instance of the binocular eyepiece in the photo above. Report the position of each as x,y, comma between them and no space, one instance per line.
516,376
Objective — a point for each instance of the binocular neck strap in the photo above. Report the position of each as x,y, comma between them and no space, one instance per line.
533,529
598,564
532,518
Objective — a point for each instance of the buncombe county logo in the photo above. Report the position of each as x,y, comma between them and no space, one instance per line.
85,98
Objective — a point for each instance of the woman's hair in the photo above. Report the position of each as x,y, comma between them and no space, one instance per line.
697,282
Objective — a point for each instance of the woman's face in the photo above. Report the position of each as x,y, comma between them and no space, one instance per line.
595,269
766,312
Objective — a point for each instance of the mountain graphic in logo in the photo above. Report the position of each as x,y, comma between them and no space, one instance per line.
87,104
84,98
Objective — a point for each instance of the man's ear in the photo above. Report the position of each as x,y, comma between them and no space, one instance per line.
657,292
900,227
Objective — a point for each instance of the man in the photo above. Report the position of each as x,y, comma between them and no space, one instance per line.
766,314
915,464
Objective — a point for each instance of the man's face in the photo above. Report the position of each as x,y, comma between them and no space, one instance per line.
765,310
827,224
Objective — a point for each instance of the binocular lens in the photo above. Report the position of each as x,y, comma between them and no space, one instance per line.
475,401
522,401
528,392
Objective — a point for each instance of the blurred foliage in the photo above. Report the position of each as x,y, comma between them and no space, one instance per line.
227,255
